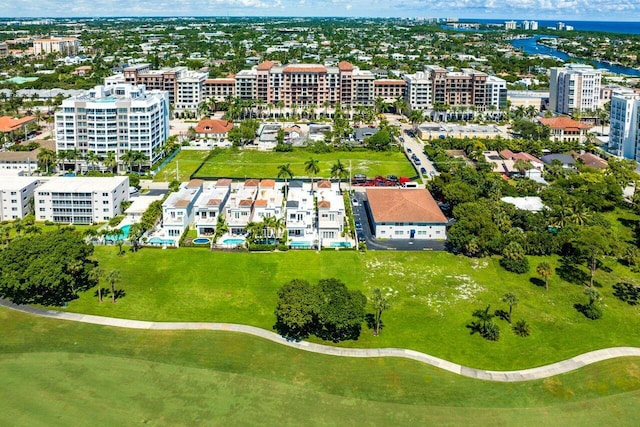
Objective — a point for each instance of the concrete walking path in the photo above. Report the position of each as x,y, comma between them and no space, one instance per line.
540,372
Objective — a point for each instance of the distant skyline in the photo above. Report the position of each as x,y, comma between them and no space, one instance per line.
561,10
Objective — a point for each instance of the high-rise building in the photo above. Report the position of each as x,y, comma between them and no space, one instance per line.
419,92
624,129
496,92
115,119
510,25
574,88
530,25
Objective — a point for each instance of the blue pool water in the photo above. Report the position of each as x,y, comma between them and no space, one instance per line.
201,241
300,244
159,241
125,233
233,241
340,245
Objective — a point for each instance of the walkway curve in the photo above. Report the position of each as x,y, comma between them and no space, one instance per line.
540,372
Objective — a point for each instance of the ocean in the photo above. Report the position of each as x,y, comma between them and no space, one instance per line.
605,26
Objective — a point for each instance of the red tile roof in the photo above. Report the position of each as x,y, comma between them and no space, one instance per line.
195,183
324,184
251,182
245,202
213,202
324,204
266,65
562,123
404,205
267,183
224,182
593,161
213,126
345,66
9,124
260,203
220,81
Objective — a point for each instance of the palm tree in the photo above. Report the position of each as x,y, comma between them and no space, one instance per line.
135,234
545,270
312,168
110,161
280,105
416,117
284,171
113,277
511,299
128,158
338,170
522,166
95,275
62,158
46,157
91,159
222,228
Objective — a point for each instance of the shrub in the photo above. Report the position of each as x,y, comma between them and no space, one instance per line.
257,247
282,247
491,332
521,328
590,311
515,266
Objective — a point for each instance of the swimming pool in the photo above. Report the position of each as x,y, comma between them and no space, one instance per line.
233,241
159,241
125,234
201,241
340,245
300,244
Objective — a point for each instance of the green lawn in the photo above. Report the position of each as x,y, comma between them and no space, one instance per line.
260,164
437,294
64,373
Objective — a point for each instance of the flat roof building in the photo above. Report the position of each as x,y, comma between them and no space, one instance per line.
15,194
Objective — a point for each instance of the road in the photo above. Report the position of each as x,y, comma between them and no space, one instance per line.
415,146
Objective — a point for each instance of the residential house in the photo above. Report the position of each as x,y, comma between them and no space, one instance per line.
210,204
565,129
213,129
592,161
178,209
239,207
331,214
301,215
567,161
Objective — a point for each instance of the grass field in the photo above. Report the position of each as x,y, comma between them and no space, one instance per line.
437,292
259,164
64,373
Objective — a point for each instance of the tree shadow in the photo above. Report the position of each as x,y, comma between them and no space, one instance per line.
474,328
120,293
105,291
504,315
571,273
537,282
370,320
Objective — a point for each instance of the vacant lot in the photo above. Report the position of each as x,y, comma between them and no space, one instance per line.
437,293
258,164
64,373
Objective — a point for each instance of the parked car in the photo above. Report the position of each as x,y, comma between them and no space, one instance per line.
409,150
358,225
417,162
360,235
423,171
355,202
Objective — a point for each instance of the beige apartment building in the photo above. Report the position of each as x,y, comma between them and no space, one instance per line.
62,45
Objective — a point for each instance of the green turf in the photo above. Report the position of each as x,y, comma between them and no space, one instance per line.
260,164
437,292
65,373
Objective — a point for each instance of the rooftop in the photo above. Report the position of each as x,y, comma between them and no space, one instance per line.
404,205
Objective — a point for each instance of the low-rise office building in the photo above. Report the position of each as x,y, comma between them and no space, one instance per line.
405,214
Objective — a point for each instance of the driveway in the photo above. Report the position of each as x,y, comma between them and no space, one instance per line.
362,214
413,146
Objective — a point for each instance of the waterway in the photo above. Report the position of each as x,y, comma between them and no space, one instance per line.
530,46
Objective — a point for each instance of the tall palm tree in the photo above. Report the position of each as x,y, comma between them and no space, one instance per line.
312,168
128,158
284,171
62,158
340,171
545,270
95,275
511,299
91,159
113,277
110,161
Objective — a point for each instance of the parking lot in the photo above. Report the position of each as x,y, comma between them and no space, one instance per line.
364,231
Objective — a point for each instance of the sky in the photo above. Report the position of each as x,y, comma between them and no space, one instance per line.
564,10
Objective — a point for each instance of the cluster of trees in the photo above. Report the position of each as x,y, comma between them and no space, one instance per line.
48,269
327,310
486,326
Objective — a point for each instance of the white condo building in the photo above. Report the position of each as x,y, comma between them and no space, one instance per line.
80,200
189,93
624,133
418,94
210,204
239,207
331,213
301,215
178,209
63,45
574,88
15,194
496,92
115,119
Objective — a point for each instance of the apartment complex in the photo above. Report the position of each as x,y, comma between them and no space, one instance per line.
574,88
15,195
624,133
210,204
331,213
63,45
467,87
178,209
115,119
80,200
4,50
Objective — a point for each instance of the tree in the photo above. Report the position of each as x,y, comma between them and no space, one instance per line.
135,234
284,171
46,157
514,259
47,269
311,167
338,170
590,244
381,303
113,277
340,312
380,141
522,166
295,310
110,161
512,300
521,328
485,325
95,275
545,270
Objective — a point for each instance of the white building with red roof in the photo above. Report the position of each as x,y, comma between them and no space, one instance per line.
406,214
213,128
566,129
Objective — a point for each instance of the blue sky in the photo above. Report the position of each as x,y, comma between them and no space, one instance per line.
565,10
